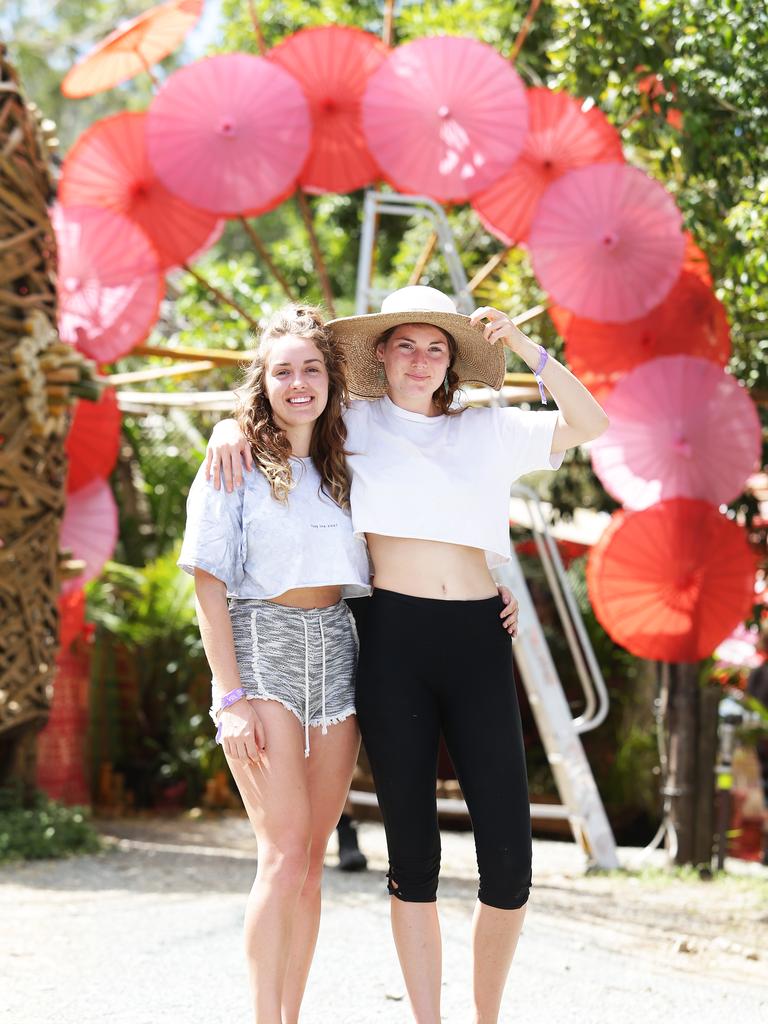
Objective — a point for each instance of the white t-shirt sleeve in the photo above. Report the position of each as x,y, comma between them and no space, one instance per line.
214,531
357,420
527,439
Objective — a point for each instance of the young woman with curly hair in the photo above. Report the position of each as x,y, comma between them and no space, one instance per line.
272,560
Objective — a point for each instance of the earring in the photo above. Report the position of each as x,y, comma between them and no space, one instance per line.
446,385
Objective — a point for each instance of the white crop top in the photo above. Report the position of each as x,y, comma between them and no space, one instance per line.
443,478
260,547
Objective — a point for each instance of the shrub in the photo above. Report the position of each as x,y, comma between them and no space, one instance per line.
43,828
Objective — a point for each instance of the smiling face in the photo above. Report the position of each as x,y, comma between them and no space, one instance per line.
296,381
416,358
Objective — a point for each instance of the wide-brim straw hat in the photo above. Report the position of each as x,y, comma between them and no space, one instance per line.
476,362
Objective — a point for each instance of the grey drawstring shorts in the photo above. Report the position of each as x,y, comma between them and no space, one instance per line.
305,658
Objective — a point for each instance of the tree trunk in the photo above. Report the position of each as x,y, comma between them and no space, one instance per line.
692,731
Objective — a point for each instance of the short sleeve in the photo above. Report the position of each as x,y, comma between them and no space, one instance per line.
213,533
357,420
527,440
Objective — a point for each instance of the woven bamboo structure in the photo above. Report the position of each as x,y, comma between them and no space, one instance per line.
38,379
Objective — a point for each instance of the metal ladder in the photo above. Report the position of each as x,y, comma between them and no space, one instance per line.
559,731
582,806
367,298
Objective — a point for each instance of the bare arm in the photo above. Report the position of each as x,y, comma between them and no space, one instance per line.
581,417
227,451
242,733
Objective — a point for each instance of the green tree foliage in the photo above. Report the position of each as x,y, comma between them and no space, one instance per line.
709,57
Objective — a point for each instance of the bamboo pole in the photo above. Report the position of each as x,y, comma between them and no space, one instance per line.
530,314
220,357
157,373
317,256
263,252
525,28
486,271
227,299
257,28
421,262
388,30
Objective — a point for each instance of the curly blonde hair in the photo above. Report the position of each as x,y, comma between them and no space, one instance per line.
253,412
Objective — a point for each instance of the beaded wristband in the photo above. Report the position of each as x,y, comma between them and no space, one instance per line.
543,357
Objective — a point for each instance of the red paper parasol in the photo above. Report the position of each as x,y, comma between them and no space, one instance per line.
653,86
109,284
93,440
229,134
561,135
108,167
671,582
71,617
445,116
607,242
695,260
132,48
333,63
680,428
89,530
690,321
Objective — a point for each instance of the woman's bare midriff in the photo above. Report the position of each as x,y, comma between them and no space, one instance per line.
309,597
428,568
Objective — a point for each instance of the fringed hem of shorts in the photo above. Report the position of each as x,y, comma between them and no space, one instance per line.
333,720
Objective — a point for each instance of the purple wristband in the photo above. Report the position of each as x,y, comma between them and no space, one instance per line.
229,698
543,357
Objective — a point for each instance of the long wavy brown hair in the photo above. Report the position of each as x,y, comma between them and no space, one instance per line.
445,395
253,412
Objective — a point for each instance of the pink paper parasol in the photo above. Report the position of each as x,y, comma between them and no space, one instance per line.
445,116
109,283
333,63
690,321
93,440
561,135
607,242
89,530
739,650
229,134
680,428
108,167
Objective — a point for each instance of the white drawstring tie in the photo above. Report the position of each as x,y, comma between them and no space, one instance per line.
322,642
306,682
306,688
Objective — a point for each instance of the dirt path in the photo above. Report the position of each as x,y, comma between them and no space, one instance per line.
149,932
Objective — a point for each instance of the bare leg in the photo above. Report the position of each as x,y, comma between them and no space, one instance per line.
329,773
276,797
494,940
416,930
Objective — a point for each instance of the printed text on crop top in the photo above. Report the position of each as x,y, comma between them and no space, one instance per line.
260,547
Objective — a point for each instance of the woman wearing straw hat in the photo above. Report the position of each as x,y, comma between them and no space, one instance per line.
430,489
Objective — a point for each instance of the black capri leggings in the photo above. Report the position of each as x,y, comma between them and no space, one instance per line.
427,666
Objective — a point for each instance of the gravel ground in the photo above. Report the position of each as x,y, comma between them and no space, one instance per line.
149,932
